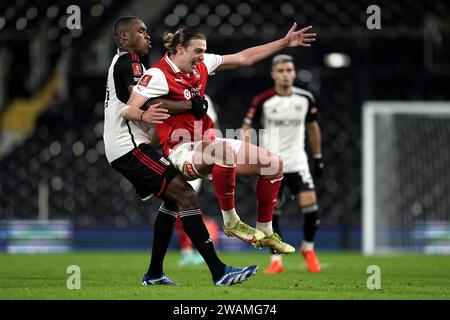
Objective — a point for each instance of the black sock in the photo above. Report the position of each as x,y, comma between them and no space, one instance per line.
162,235
196,231
311,222
276,225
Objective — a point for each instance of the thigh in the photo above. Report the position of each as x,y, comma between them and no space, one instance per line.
185,157
301,185
218,151
253,160
180,195
147,170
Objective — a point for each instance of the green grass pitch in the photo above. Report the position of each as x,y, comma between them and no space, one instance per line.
117,275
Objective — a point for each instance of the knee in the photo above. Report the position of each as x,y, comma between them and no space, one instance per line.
278,161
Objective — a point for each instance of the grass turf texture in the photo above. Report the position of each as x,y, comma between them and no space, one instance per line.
118,275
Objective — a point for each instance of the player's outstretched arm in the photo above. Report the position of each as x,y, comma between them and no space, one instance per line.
154,114
247,57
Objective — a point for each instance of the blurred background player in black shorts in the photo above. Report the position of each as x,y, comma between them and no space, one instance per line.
285,112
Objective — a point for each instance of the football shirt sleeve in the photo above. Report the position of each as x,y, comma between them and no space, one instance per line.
123,71
152,84
311,114
212,62
254,112
124,78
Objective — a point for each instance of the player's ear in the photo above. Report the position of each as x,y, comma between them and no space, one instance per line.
124,35
180,49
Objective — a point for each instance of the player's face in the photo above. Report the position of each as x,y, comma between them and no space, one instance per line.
284,74
192,54
139,39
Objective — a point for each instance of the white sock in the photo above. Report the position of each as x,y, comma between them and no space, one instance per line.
307,246
230,217
276,257
265,227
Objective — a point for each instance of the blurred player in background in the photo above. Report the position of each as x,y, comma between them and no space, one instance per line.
285,112
128,150
191,142
190,256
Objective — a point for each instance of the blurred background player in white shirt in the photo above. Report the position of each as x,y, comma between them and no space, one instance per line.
286,113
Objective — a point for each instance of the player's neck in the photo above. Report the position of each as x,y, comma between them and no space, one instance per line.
283,91
124,49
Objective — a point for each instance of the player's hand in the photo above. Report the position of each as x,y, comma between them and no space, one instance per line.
299,38
155,114
199,107
318,167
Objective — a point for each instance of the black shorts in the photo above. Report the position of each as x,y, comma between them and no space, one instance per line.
147,170
296,182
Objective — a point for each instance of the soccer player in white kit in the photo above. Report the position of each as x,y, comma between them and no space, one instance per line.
285,112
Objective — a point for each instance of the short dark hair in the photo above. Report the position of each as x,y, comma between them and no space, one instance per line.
122,23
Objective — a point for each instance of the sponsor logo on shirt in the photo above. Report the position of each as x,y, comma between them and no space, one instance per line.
284,123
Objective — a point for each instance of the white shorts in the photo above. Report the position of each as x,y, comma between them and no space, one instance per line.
182,158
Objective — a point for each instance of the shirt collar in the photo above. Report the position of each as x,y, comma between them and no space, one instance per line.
171,64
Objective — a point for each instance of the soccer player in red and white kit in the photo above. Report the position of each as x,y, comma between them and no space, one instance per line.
192,144
286,113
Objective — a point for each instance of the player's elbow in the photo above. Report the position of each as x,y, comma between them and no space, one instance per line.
246,61
243,60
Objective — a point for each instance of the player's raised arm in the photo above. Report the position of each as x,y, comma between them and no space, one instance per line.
248,57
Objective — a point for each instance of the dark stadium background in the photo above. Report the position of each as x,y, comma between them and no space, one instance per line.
58,76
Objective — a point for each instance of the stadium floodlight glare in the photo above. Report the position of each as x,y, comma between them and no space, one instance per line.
337,60
406,177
